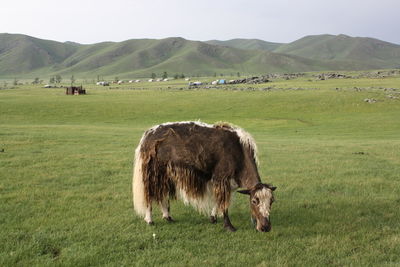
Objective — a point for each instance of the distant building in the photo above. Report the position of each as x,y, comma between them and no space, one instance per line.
75,90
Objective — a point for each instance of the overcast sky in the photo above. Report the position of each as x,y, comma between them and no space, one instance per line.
91,21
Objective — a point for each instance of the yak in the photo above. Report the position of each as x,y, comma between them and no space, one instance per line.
202,165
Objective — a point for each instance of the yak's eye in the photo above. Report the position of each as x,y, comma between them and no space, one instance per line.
255,201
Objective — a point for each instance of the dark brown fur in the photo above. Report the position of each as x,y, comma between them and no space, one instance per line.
189,156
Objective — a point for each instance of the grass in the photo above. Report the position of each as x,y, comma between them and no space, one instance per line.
65,176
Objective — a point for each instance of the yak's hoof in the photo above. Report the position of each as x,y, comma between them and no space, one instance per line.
168,219
230,228
150,223
213,219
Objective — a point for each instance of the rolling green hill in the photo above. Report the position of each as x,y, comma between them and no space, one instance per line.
361,51
249,44
25,56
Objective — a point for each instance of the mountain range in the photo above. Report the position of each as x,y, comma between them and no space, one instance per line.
26,56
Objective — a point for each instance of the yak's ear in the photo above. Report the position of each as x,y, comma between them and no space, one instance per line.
246,192
270,186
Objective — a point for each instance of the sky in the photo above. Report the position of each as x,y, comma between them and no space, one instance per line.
283,21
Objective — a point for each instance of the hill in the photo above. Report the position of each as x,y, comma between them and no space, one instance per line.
139,58
358,50
248,44
177,55
24,56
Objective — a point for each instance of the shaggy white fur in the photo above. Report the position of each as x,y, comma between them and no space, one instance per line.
138,186
264,196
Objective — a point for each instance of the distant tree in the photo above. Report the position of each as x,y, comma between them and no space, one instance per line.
36,80
176,76
153,75
58,78
52,80
15,81
222,75
98,78
72,79
165,75
238,74
215,74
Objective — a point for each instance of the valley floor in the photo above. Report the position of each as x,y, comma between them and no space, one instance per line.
66,168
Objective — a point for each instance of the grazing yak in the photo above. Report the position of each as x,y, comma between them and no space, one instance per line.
202,165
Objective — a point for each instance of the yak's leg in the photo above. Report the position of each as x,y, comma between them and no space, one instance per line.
213,217
222,188
227,222
165,210
147,216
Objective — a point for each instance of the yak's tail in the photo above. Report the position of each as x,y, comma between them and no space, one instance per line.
138,190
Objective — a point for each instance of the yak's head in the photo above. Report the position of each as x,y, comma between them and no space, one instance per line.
261,199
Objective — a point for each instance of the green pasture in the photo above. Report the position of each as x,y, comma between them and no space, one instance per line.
66,170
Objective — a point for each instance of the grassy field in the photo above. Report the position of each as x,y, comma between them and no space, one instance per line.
66,164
